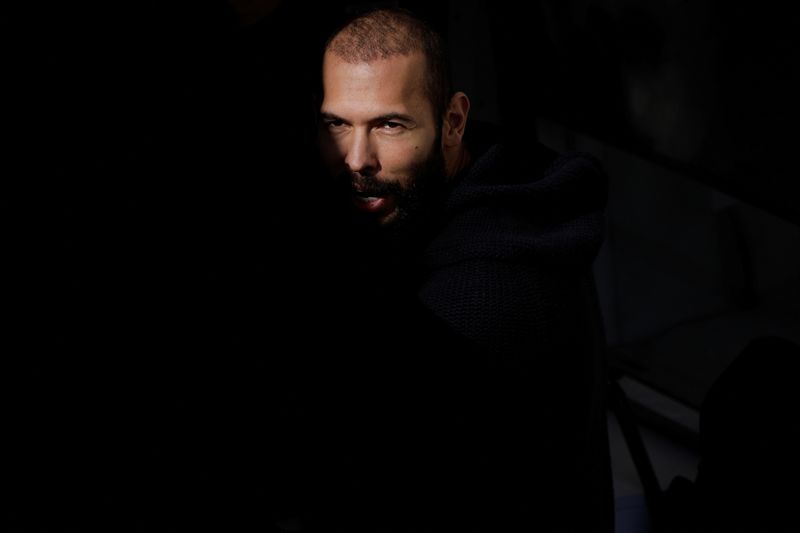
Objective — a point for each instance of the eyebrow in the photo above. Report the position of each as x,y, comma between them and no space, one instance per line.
393,116
330,116
388,117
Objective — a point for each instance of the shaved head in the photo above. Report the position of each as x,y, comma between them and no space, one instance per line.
383,33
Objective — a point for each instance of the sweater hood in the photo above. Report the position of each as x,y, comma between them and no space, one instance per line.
533,206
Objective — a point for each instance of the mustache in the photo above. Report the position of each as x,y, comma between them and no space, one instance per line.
370,185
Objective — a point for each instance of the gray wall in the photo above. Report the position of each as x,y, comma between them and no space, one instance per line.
687,275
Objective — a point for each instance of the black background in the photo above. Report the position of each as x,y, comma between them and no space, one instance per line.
168,244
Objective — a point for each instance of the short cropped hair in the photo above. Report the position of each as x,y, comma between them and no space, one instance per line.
385,32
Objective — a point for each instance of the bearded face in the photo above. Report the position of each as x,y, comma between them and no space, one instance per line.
380,137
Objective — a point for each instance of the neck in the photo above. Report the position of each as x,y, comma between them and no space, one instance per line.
459,163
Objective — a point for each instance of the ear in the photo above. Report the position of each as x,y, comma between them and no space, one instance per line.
455,121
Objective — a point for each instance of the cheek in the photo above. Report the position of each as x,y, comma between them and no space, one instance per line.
402,158
332,153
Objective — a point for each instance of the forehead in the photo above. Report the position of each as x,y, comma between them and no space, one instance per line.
363,89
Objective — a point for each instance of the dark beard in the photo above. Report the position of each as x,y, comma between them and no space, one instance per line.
417,203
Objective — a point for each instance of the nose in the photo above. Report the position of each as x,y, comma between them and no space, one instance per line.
361,156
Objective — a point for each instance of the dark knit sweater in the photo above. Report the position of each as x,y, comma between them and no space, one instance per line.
509,269
513,231
474,396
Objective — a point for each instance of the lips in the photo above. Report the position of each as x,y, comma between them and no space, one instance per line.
373,197
372,204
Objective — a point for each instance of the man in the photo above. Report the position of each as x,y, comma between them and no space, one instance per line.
470,397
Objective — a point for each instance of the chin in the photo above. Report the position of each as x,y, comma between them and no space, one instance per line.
388,220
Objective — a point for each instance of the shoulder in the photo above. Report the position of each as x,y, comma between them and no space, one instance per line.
505,305
499,157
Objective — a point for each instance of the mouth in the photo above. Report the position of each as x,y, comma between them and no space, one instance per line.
369,203
374,197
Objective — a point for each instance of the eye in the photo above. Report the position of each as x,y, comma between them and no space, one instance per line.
392,127
333,124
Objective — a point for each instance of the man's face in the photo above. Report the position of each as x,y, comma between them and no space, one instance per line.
379,135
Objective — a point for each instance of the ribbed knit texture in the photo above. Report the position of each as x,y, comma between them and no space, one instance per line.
512,244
